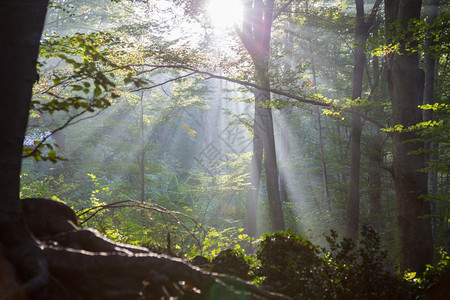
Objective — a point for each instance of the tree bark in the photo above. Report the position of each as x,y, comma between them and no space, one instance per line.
406,82
285,144
285,150
255,35
361,35
430,62
251,207
21,24
375,149
271,170
352,219
142,152
375,146
429,66
323,162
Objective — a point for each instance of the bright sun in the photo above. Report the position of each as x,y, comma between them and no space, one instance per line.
225,13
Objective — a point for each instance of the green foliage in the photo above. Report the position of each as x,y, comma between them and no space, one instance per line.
85,58
158,126
434,282
437,278
38,185
359,273
215,242
76,78
413,36
292,265
284,256
434,135
233,262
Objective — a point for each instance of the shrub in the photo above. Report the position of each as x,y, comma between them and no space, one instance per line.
233,262
292,265
358,273
289,264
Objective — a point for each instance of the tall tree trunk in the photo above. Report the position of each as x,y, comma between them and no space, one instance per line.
375,149
406,82
285,149
255,35
430,61
428,98
352,219
271,170
285,145
361,34
251,208
21,24
324,163
141,155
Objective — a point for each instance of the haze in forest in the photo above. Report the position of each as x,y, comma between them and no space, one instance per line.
171,122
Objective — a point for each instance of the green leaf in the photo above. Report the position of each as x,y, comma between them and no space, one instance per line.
51,154
97,91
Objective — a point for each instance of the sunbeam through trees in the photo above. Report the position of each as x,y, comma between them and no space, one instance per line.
245,149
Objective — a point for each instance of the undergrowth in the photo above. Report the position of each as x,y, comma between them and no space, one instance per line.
287,263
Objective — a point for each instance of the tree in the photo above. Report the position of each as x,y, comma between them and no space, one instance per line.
429,96
255,35
406,82
361,34
21,26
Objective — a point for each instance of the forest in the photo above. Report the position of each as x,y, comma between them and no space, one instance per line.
212,149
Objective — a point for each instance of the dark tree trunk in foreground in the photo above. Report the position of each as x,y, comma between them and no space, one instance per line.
255,35
406,83
21,24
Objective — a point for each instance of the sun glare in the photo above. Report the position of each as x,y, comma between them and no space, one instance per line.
225,13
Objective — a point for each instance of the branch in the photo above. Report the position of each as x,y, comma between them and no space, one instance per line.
65,125
195,71
271,90
281,10
146,206
162,83
51,133
373,14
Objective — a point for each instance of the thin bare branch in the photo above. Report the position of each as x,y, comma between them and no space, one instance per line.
145,206
162,83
